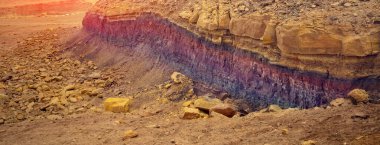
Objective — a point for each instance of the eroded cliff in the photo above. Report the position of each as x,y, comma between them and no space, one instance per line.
260,55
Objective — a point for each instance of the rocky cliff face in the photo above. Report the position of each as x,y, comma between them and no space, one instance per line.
252,56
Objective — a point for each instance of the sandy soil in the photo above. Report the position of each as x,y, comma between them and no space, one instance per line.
30,52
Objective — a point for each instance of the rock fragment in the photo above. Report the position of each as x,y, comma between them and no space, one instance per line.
117,105
54,117
274,108
206,103
178,77
130,134
359,95
340,102
225,109
192,113
309,142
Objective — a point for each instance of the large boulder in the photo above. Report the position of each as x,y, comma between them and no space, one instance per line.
206,103
225,109
359,95
192,113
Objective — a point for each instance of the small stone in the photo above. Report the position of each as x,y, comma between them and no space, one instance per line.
167,86
340,102
347,4
178,77
225,109
153,126
359,95
95,75
2,121
360,115
54,101
2,86
69,88
284,131
54,117
129,134
335,4
20,117
73,99
313,6
117,105
309,142
274,108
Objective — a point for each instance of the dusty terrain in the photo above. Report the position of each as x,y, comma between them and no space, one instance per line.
50,97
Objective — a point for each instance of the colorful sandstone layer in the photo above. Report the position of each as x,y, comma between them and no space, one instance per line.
260,55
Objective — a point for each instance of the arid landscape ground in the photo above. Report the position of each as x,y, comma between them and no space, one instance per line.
51,95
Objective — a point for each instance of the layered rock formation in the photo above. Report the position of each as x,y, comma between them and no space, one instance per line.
255,54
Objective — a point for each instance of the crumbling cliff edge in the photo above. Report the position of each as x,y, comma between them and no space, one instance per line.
288,64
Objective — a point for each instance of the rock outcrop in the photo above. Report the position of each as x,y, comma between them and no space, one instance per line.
261,57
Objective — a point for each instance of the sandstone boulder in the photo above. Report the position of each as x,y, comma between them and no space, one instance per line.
359,95
191,113
206,103
225,109
117,105
274,108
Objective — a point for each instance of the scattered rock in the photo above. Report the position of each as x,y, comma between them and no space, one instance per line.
347,4
191,113
117,105
225,109
54,117
360,115
274,108
95,75
69,88
309,142
359,95
2,121
340,102
73,99
152,126
178,77
130,134
187,103
284,131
